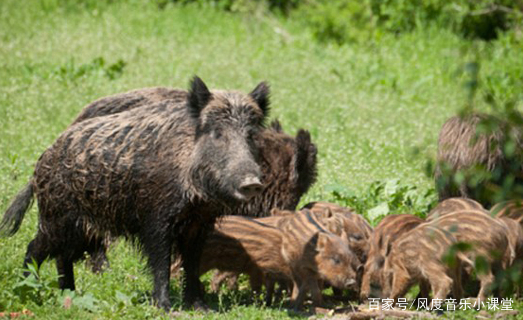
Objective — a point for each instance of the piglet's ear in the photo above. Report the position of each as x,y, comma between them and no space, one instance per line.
328,213
359,272
260,94
199,96
344,237
322,242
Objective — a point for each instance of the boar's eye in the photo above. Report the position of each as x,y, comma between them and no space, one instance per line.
216,134
252,133
336,260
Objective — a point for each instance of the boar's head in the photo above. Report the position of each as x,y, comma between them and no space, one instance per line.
225,162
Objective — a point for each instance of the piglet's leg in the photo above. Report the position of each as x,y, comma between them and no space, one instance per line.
315,293
298,294
486,281
269,287
457,285
400,283
441,285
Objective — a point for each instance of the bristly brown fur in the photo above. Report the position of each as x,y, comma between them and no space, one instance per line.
385,234
416,257
454,204
341,221
15,213
310,252
335,263
487,237
511,209
245,245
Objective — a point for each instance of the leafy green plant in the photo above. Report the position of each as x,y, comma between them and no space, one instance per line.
384,197
35,289
86,301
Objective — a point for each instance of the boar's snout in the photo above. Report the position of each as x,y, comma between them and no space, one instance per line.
250,187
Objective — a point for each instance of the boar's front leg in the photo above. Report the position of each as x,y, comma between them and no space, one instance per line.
157,239
191,244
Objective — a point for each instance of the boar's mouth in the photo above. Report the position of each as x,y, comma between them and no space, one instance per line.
248,189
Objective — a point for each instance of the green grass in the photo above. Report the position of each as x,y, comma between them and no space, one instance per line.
374,110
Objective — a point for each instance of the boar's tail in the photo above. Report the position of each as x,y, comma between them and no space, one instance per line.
15,213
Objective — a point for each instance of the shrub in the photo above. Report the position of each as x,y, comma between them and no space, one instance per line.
383,198
345,20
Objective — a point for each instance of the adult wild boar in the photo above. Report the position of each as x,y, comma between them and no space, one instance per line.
160,173
287,163
461,148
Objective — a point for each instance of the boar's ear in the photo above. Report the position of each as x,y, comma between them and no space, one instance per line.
260,94
275,212
304,173
199,96
332,226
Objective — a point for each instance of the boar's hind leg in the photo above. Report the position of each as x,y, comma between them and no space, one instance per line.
37,251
